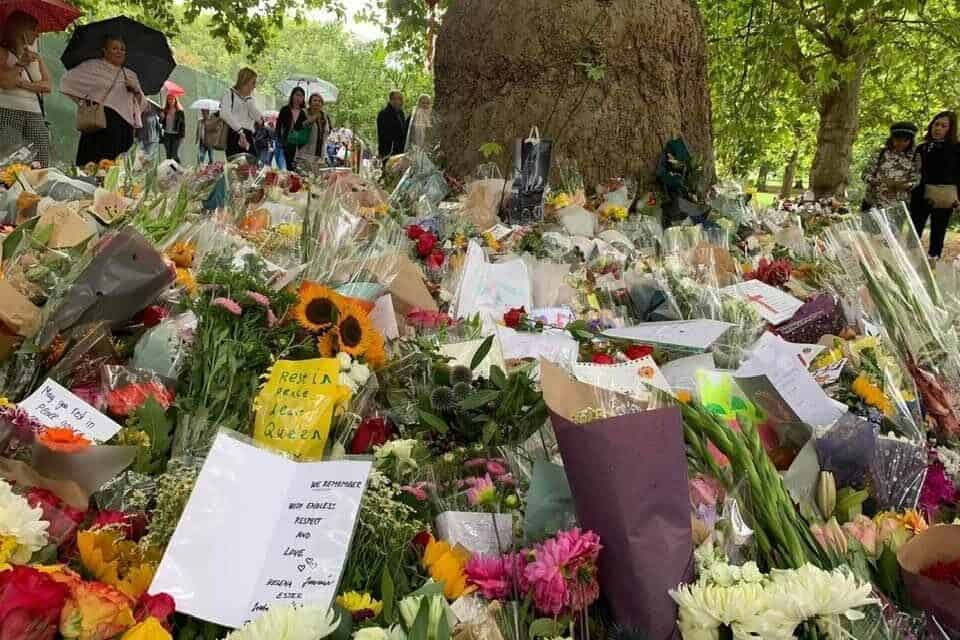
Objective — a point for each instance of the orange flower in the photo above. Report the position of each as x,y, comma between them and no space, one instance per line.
115,561
63,440
94,611
447,564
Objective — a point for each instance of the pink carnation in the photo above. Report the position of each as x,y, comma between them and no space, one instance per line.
228,305
491,574
482,491
259,298
495,468
563,573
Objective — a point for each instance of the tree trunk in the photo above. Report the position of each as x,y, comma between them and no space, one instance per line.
504,66
789,173
762,177
839,119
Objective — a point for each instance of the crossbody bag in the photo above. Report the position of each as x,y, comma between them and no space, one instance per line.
91,116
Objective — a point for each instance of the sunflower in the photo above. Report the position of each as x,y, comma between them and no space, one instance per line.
327,345
319,307
376,354
354,329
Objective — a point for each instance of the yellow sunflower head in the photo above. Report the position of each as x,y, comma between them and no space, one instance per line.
354,329
376,354
328,345
319,307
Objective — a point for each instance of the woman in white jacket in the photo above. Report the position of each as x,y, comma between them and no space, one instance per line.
239,112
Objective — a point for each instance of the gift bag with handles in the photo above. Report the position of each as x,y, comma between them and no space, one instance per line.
531,171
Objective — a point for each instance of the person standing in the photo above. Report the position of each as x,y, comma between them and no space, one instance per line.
239,112
420,125
174,127
201,138
21,101
151,132
291,120
391,127
894,171
936,197
318,124
105,80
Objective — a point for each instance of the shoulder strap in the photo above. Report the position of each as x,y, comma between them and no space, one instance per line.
110,88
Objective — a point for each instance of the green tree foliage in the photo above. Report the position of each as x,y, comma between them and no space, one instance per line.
236,23
410,25
787,67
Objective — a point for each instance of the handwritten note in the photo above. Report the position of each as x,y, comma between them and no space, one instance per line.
555,346
260,530
495,288
295,406
771,346
54,406
773,305
630,378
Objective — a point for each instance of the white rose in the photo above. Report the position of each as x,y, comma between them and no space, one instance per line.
360,373
345,361
370,633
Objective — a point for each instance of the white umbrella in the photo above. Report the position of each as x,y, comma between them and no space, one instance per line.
206,103
311,85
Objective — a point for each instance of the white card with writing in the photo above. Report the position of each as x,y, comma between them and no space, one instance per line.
771,346
495,288
489,534
773,305
630,378
384,318
698,335
681,373
54,406
261,530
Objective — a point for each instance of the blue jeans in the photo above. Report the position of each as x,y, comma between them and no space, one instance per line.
205,151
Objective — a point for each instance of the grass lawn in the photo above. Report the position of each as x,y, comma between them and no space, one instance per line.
766,199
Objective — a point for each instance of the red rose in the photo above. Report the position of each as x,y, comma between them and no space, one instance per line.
152,315
414,231
514,317
293,184
638,351
160,606
371,432
426,243
602,358
271,178
30,604
435,259
421,540
64,519
133,525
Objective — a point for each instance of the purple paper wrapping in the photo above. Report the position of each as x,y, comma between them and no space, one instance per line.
629,478
818,317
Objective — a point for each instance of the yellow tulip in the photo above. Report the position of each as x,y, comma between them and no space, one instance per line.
149,629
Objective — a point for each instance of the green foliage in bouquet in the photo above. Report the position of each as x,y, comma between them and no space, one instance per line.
231,350
446,405
782,533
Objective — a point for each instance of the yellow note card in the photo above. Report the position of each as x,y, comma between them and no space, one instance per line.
294,408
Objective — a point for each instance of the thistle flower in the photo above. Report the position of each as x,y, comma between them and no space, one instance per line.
461,391
442,399
461,375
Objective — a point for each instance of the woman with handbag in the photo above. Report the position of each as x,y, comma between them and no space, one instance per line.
318,125
174,127
109,99
21,102
238,110
291,127
936,197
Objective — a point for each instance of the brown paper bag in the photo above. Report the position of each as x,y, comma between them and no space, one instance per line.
90,469
940,543
23,475
484,201
403,279
17,313
70,228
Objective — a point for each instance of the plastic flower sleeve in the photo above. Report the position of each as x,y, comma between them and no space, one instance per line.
896,473
124,390
847,450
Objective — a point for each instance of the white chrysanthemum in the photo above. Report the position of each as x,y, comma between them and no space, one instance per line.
360,373
18,520
750,572
697,612
345,360
809,593
310,622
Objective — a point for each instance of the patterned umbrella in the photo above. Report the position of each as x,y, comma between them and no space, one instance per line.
51,15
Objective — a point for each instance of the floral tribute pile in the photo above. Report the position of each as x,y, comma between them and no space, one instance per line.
613,422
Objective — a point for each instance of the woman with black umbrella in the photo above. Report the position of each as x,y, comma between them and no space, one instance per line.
107,82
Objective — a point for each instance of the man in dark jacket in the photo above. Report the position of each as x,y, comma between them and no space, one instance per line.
392,127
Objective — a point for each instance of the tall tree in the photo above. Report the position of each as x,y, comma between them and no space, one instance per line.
831,48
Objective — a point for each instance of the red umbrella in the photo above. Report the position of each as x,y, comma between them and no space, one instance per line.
51,15
173,89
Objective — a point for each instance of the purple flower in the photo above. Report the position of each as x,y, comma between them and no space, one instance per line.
937,488
228,305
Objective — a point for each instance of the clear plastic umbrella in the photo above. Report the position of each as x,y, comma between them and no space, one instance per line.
311,85
206,103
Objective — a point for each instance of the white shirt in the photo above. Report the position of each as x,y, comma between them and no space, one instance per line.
20,99
239,112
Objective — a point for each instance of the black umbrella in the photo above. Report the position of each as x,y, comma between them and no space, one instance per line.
148,52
